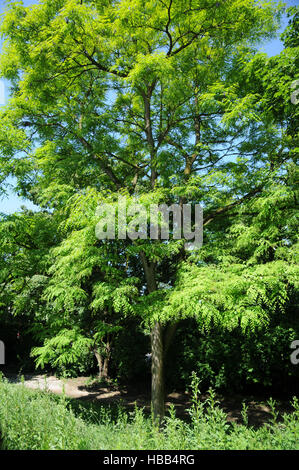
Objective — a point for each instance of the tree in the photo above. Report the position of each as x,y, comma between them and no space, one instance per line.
25,243
142,99
89,292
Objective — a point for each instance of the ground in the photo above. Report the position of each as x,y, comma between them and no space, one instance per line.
83,389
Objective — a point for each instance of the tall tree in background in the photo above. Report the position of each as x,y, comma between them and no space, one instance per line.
146,99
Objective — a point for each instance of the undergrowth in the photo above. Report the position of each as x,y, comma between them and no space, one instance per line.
38,420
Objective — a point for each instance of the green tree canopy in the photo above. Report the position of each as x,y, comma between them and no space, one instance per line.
166,101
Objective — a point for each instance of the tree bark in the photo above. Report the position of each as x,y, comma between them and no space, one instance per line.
105,368
103,362
99,361
157,398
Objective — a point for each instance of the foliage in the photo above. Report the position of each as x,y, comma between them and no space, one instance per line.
40,421
161,102
235,362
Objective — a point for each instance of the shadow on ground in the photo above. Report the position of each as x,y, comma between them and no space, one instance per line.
93,396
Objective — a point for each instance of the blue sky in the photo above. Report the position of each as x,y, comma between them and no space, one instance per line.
12,202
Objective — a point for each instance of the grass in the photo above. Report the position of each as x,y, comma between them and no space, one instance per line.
35,420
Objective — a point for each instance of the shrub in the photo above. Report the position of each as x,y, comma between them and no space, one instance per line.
232,361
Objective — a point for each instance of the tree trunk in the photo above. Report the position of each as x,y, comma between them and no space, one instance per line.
105,368
106,358
158,398
99,361
158,405
103,362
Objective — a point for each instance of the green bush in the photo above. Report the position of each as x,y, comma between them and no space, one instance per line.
234,362
40,420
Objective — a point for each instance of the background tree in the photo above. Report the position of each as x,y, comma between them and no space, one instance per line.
25,243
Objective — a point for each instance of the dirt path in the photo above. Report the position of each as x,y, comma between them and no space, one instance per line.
258,411
51,384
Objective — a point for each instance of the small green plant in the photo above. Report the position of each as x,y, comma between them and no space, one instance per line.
272,405
196,410
244,414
